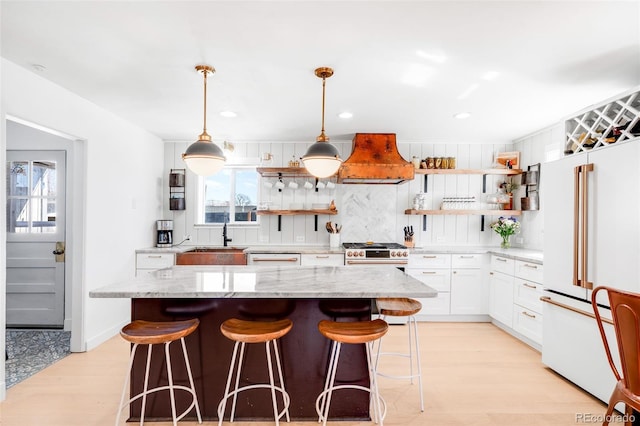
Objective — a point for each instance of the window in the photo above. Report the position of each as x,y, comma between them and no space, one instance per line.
230,195
31,197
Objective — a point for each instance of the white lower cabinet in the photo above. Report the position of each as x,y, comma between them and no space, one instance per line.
515,291
149,262
322,259
460,280
501,298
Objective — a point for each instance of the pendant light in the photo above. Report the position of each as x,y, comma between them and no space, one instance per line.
203,157
322,159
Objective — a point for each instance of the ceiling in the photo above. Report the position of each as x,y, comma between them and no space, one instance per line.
400,67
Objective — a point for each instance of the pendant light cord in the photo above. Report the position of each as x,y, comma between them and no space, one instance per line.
324,82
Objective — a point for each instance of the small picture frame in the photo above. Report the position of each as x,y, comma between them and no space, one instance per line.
508,160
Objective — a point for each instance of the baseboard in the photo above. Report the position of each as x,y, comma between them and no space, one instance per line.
453,318
521,337
107,334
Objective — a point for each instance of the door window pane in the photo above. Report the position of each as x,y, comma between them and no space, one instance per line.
31,202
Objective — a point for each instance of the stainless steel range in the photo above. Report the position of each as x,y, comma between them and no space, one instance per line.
376,254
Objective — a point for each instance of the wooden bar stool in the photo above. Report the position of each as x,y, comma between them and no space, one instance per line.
361,332
403,307
243,332
149,333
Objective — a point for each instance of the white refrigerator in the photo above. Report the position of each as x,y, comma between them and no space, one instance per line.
591,238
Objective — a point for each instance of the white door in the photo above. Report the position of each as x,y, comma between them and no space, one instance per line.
35,238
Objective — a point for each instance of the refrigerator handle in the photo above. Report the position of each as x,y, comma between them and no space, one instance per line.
576,222
586,168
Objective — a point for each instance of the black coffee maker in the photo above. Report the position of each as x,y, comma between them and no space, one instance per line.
164,233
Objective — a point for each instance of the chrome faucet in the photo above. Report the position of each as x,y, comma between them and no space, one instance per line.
225,240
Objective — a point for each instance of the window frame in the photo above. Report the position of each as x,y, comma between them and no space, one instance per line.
200,199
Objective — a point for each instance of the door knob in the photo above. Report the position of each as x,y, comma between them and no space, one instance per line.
58,252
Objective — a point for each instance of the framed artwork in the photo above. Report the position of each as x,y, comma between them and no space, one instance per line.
508,160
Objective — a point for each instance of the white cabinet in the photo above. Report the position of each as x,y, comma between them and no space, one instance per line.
322,259
469,284
435,271
273,259
148,262
515,290
460,280
527,312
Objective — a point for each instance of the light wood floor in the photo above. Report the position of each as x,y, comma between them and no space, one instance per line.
474,374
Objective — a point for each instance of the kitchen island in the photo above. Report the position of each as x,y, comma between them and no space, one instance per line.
306,295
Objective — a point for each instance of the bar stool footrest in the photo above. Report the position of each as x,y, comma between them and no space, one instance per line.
334,388
283,392
166,387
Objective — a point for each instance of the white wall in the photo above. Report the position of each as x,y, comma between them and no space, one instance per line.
367,212
119,170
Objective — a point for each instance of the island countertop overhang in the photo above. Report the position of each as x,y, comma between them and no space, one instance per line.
269,282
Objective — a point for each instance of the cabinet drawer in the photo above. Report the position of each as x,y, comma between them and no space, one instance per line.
274,259
430,260
528,271
502,264
528,323
527,294
154,260
467,260
438,305
439,279
326,259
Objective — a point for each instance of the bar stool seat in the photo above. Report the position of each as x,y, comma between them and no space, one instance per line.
243,332
150,333
360,332
403,307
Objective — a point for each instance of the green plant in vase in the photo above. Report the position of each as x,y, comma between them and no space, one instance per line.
506,227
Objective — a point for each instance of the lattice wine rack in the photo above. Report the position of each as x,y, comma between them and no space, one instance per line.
613,121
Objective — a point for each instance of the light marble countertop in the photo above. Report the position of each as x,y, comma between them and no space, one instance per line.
269,282
518,253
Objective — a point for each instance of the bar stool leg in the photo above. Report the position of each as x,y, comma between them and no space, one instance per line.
232,416
126,384
281,377
416,340
375,395
193,386
272,383
223,404
333,367
146,384
172,396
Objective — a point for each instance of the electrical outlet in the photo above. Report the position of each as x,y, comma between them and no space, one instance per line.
519,240
263,238
440,239
299,238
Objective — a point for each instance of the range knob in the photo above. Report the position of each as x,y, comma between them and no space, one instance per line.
393,254
405,254
362,253
349,254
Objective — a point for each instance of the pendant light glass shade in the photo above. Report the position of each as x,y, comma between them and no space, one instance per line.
322,159
203,157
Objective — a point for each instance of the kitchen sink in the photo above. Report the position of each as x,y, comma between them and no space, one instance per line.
217,250
212,256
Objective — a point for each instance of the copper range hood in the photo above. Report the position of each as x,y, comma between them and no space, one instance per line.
375,159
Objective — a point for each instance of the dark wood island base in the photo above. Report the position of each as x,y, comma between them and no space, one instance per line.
304,352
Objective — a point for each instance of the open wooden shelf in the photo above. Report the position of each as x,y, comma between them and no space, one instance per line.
295,212
283,172
464,212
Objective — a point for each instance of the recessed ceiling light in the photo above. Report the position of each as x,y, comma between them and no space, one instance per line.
345,115
228,114
462,115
